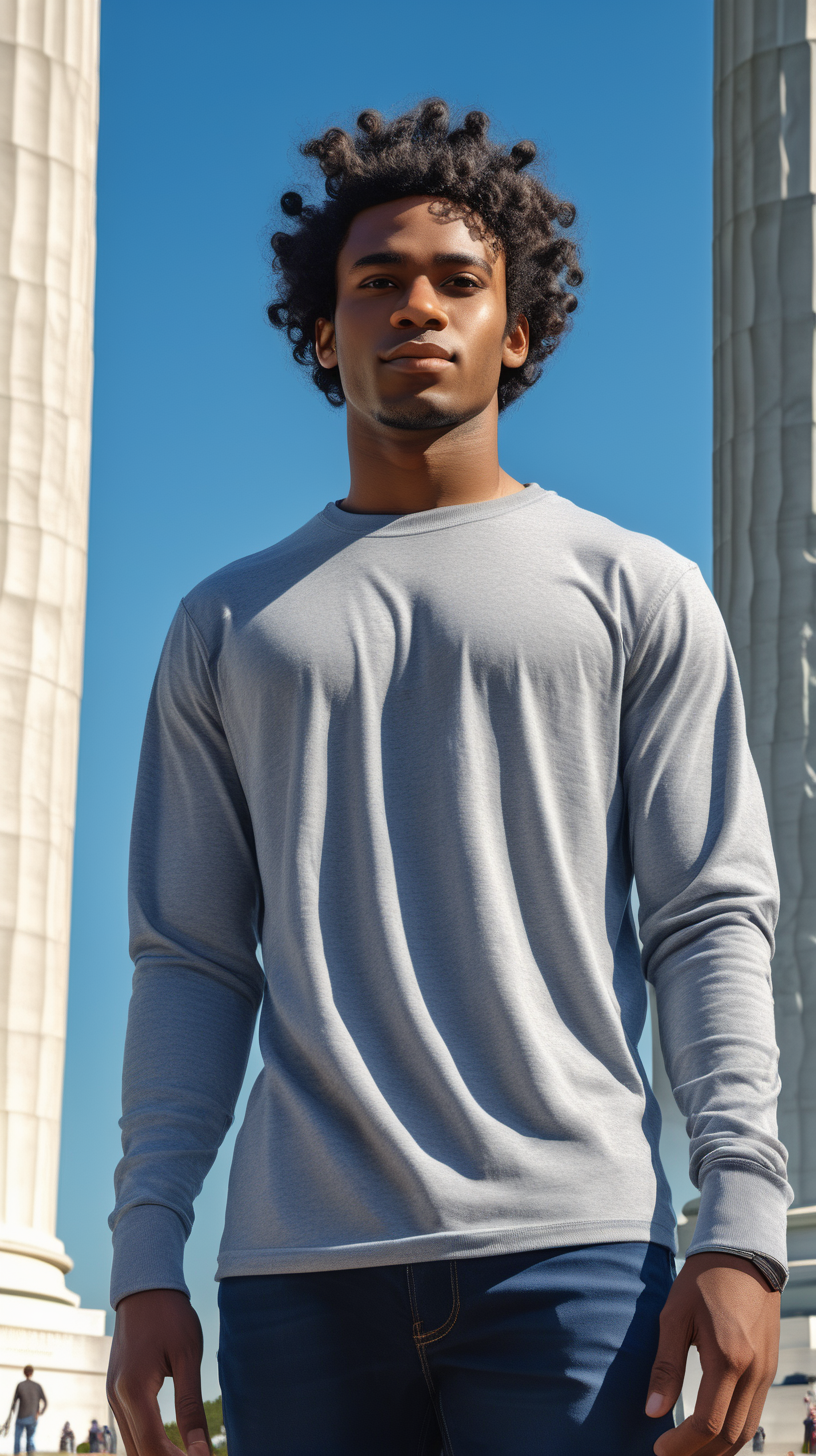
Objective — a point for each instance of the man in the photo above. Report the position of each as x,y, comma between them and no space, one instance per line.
29,1398
417,752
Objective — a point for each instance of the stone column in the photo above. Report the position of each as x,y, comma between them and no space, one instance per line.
764,521
48,126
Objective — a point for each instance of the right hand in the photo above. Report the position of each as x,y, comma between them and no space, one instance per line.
157,1335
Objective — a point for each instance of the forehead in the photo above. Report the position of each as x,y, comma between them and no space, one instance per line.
413,226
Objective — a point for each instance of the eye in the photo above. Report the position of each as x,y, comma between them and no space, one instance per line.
463,280
378,283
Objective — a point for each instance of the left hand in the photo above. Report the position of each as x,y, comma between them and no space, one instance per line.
723,1305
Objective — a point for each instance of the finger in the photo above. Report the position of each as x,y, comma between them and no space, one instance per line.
669,1369
732,1435
190,1417
147,1429
752,1419
748,1392
701,1434
198,1443
124,1428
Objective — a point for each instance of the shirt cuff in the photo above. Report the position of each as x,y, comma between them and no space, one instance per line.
743,1210
775,1275
148,1251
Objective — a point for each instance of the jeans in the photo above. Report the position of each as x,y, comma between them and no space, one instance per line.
512,1355
27,1426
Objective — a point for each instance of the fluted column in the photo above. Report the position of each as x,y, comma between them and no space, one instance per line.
764,521
48,128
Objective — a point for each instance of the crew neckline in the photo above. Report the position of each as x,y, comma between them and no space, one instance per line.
441,518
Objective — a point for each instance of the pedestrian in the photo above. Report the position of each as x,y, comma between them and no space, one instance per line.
67,1438
418,750
29,1398
759,1439
96,1441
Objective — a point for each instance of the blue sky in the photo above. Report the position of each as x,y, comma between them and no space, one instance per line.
209,443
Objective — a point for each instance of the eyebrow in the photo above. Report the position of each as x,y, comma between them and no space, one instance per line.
397,260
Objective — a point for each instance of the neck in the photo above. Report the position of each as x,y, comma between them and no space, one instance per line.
394,472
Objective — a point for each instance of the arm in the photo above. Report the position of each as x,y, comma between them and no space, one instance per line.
14,1400
708,899
195,915
42,1403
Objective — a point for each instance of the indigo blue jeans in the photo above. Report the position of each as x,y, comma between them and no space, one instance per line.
539,1354
25,1427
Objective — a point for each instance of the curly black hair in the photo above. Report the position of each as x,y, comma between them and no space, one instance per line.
418,154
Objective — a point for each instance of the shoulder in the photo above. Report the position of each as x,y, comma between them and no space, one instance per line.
613,546
242,588
630,574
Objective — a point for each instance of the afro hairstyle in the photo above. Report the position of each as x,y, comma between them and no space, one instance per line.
476,179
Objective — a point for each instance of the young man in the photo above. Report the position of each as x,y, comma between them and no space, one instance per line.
29,1398
417,751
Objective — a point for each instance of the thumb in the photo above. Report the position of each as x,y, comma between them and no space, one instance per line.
668,1371
190,1418
197,1442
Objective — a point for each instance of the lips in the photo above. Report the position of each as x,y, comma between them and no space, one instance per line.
418,358
417,350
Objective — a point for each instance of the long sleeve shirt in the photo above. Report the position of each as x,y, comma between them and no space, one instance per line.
418,761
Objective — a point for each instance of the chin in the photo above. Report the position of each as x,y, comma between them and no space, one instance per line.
422,414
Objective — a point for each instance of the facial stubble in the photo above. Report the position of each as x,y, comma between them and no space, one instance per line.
422,415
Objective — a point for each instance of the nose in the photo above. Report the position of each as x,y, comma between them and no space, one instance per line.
419,308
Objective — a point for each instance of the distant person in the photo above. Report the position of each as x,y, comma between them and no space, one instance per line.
96,1440
810,1423
29,1398
67,1438
420,749
107,1437
759,1439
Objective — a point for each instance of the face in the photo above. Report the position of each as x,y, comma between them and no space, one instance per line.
420,330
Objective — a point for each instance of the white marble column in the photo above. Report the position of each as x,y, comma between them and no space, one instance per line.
765,474
48,127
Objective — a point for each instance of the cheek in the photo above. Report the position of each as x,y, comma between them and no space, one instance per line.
487,334
350,340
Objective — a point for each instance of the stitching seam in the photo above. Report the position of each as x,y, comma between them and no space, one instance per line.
438,1334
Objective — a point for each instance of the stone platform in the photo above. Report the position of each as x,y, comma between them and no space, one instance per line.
41,1324
69,1349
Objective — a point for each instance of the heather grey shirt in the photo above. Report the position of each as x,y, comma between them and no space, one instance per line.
419,759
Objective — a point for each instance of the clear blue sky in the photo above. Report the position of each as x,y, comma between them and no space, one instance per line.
209,443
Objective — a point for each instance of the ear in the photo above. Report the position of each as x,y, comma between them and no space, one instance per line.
516,344
325,343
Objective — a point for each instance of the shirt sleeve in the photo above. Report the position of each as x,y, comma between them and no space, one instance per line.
195,916
706,881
